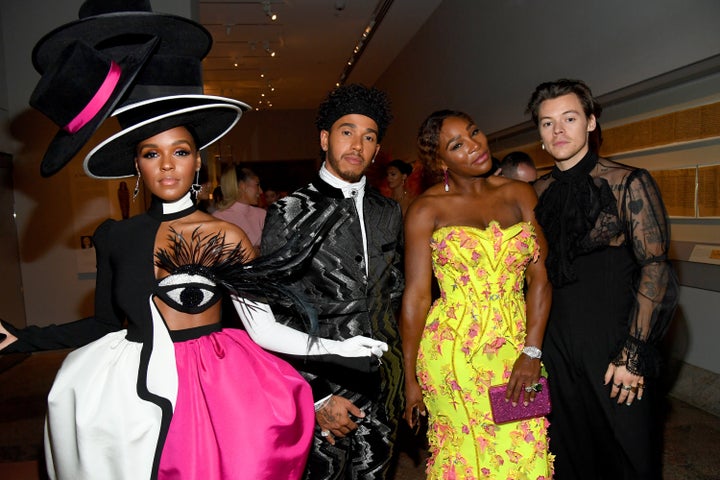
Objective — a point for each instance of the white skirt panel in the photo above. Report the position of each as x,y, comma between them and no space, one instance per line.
97,427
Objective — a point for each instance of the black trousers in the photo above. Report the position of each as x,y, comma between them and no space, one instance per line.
591,435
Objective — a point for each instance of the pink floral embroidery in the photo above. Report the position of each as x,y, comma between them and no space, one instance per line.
494,346
513,456
510,259
482,444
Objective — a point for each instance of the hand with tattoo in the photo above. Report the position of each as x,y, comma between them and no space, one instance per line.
334,417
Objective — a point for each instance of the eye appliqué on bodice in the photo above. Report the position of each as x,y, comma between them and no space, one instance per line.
188,293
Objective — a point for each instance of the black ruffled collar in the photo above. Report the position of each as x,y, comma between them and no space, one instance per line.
577,172
568,211
165,212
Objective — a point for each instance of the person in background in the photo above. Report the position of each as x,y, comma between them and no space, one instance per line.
271,196
494,168
86,242
217,198
479,236
518,166
239,205
614,294
354,282
397,173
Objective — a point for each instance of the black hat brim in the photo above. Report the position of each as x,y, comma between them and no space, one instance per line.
64,146
114,32
115,157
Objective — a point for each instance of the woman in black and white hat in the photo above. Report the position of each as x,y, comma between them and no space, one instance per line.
159,388
208,401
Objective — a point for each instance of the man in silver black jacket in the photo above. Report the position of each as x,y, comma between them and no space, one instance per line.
355,284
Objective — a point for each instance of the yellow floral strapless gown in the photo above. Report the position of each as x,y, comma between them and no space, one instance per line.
473,335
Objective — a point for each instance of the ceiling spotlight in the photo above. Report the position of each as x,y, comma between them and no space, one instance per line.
270,51
268,11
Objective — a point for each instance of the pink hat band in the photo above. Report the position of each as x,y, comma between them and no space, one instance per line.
98,100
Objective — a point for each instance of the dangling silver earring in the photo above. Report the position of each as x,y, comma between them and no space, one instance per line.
136,192
195,188
542,145
447,183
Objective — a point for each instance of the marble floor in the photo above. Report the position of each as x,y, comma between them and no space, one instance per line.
691,435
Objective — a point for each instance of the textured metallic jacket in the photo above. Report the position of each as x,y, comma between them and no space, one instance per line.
348,301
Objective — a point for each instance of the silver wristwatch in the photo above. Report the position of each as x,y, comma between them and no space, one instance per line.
532,352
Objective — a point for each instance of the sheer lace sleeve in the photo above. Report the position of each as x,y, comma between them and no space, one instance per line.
656,286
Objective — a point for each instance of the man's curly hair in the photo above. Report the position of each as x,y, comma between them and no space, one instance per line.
355,99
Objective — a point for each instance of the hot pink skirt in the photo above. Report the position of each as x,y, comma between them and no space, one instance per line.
241,413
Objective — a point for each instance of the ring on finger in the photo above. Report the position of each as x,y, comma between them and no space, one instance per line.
617,385
535,387
324,433
627,388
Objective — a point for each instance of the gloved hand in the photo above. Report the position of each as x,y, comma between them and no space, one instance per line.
262,327
358,346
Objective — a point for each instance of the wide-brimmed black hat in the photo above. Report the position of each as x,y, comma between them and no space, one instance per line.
113,26
79,91
208,117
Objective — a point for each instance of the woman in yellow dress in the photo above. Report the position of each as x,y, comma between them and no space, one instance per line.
480,238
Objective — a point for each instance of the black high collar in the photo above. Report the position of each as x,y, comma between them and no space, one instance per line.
579,171
326,189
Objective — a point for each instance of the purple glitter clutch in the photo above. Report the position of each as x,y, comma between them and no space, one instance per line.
504,412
